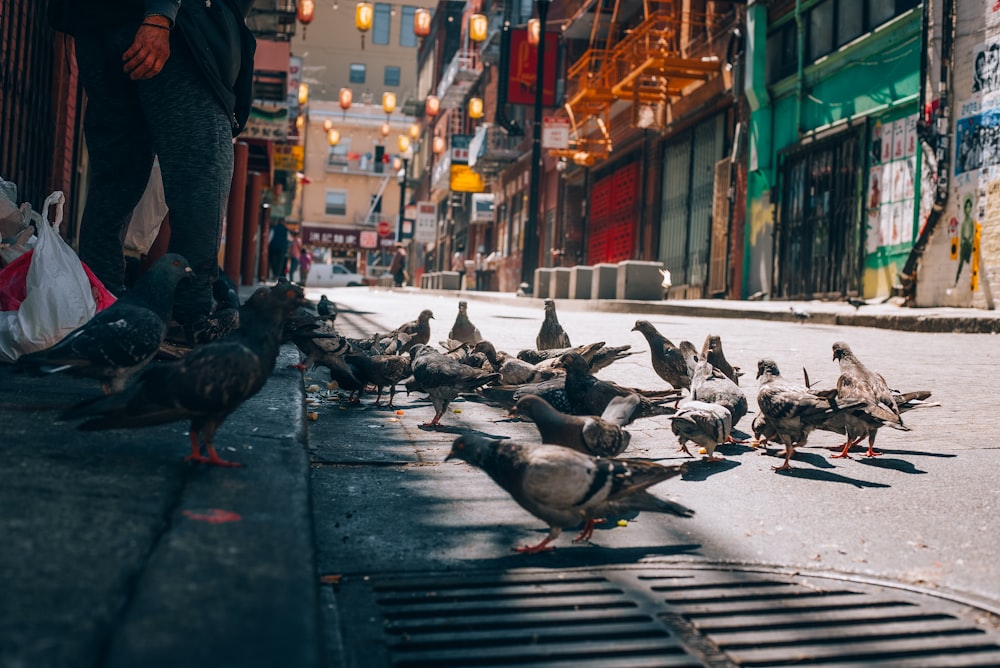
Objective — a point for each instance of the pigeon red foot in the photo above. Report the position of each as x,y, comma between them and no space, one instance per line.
588,530
535,549
212,457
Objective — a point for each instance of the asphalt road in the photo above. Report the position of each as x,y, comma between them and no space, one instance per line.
925,514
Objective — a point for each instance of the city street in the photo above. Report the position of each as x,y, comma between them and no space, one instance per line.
924,515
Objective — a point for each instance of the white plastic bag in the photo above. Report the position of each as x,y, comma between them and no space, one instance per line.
148,215
58,295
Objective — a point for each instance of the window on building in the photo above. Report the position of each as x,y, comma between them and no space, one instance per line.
406,35
782,55
358,72
336,202
850,20
821,30
391,75
337,157
382,24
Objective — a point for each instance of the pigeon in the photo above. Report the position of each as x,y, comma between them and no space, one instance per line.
507,396
792,411
407,335
463,330
550,355
589,395
207,384
443,378
118,342
563,487
711,386
668,360
857,382
379,370
712,351
799,314
707,424
551,334
592,435
856,302
326,308
223,319
513,371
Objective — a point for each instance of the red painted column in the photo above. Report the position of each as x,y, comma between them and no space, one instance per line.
251,225
235,213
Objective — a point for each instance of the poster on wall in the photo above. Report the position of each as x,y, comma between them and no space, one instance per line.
891,184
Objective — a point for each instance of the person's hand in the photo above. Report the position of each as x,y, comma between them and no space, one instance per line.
150,50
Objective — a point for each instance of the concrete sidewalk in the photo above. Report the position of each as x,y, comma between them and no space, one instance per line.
123,555
889,315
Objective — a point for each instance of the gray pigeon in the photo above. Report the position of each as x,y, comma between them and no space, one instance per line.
564,488
589,395
119,341
506,397
513,371
712,351
538,356
710,385
207,384
598,436
668,360
858,383
382,371
463,330
792,411
326,308
705,423
406,335
444,378
551,334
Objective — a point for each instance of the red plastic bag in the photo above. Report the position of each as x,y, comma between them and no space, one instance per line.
14,279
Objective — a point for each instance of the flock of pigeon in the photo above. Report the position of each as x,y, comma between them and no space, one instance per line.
573,475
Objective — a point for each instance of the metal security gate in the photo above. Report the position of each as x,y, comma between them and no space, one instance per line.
819,232
27,113
614,215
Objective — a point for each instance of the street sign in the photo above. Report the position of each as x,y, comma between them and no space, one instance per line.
383,228
555,132
425,225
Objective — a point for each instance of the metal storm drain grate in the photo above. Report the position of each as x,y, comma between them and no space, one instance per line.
655,616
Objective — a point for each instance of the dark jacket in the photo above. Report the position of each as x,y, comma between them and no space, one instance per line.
216,32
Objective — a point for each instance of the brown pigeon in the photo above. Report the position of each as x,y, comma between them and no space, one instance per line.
592,435
207,384
668,360
551,334
589,395
564,488
712,351
463,330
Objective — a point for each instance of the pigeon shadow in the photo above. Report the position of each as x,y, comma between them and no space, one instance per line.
703,470
918,453
735,448
585,554
827,476
460,431
892,463
817,460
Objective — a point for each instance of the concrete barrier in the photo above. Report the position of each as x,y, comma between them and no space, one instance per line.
543,278
449,280
580,278
604,281
638,279
559,283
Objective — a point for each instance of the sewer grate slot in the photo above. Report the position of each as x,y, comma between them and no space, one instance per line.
660,616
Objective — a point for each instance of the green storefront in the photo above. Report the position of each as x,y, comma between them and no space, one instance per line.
834,164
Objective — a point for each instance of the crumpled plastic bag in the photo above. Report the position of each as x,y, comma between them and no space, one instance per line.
16,236
58,293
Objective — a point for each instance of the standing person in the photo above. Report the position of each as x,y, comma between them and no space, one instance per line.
169,80
398,267
305,264
294,252
458,264
480,268
277,250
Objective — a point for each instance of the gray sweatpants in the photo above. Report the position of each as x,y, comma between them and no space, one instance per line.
176,116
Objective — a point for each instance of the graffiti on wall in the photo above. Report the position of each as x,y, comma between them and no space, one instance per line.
965,235
889,202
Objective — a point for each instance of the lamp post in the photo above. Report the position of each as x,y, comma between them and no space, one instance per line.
529,258
405,152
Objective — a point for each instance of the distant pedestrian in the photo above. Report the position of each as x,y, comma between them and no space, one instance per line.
398,267
294,252
277,250
305,264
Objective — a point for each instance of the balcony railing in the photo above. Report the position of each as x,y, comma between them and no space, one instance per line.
493,149
358,167
463,71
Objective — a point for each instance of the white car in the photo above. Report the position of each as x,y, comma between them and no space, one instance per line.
334,275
